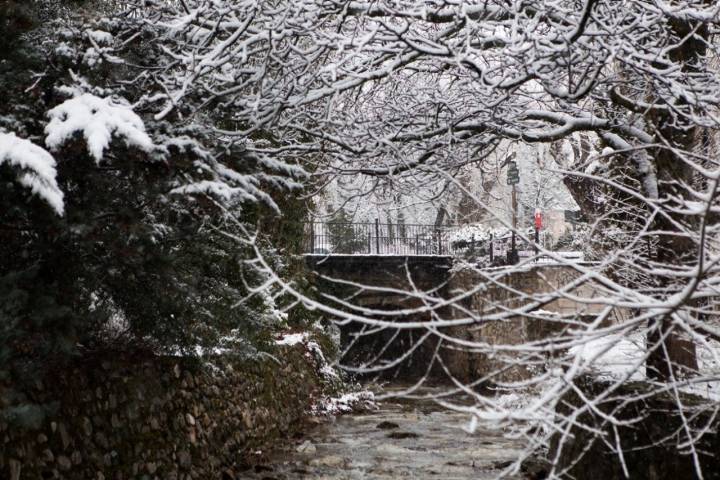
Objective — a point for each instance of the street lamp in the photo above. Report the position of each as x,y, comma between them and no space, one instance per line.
513,178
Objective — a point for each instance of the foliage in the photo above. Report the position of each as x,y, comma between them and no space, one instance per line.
141,250
409,93
577,238
343,236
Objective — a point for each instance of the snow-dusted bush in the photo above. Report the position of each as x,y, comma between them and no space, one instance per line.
139,248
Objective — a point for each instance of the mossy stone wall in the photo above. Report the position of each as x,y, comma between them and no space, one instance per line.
160,418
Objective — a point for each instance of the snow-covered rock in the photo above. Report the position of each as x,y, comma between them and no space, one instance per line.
346,403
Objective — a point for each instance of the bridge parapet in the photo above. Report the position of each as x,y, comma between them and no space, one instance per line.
480,244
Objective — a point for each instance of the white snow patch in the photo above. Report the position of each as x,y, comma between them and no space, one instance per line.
98,120
65,50
92,57
477,233
37,168
292,339
592,167
346,403
100,37
613,356
327,372
515,400
695,208
219,190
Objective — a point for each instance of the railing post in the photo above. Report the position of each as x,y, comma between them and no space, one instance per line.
437,232
312,236
417,244
492,242
369,241
377,236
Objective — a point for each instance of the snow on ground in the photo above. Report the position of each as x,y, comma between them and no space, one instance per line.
98,120
613,356
36,168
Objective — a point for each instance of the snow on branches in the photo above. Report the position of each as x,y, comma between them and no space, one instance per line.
36,168
404,96
410,93
98,120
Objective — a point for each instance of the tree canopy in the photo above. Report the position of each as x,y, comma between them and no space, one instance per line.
166,128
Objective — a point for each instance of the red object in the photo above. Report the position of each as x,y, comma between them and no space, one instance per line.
538,219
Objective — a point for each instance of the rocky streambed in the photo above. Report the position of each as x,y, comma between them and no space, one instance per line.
402,439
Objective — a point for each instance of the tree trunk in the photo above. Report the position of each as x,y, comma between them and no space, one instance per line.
676,355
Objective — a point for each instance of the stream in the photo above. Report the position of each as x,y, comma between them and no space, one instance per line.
404,438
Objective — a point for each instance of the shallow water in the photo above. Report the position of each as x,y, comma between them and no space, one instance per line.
427,441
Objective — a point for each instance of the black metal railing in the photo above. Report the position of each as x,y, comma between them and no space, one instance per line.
376,238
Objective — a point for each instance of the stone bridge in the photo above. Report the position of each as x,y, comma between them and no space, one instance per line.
379,282
427,273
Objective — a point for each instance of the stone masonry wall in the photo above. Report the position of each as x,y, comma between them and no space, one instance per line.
160,418
468,365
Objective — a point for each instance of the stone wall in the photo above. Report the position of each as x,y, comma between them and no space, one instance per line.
468,365
160,418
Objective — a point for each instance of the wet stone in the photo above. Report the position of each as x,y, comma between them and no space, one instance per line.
402,435
387,425
306,447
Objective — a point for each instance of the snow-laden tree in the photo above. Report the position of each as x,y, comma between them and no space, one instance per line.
118,232
408,94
